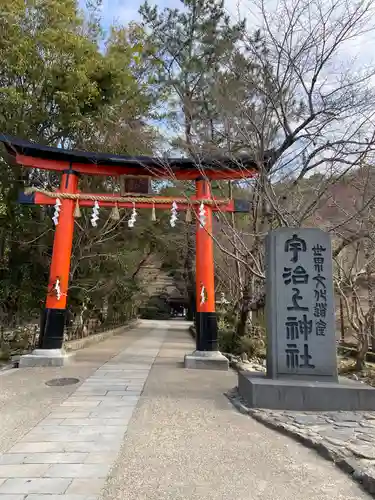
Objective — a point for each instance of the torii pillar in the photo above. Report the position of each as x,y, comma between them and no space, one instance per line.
50,351
206,354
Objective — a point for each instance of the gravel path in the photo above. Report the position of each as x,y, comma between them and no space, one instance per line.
346,438
186,441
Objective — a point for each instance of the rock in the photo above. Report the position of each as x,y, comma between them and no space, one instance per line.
309,419
365,437
346,416
362,451
244,357
369,416
336,442
346,424
345,435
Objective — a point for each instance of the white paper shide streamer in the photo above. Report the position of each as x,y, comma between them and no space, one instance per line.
203,295
202,215
56,215
133,217
95,214
58,289
174,217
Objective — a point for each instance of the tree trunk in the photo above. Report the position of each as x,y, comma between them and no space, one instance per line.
245,307
235,248
371,301
361,351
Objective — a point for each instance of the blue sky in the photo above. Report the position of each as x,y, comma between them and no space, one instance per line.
123,11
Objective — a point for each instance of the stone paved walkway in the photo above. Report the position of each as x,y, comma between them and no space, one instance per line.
68,455
140,427
347,438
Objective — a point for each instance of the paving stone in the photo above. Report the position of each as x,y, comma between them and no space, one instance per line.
79,404
86,486
12,458
12,497
130,397
100,391
77,398
118,404
102,429
117,422
87,422
74,414
56,458
105,399
56,438
71,413
86,470
110,386
123,392
104,457
23,470
40,446
51,421
90,446
132,392
42,486
112,412
48,430
60,497
97,380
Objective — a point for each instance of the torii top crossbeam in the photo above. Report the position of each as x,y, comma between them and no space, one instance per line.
68,199
49,158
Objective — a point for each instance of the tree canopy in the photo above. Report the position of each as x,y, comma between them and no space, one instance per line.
194,81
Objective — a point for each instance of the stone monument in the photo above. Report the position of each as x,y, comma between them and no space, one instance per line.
301,337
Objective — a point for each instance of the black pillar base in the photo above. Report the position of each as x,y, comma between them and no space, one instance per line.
52,329
206,327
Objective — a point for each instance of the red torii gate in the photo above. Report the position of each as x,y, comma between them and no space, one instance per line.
68,199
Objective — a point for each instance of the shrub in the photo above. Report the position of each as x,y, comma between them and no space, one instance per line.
4,352
156,308
253,343
252,346
154,313
227,340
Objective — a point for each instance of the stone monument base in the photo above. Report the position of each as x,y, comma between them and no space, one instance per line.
206,360
45,357
303,395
